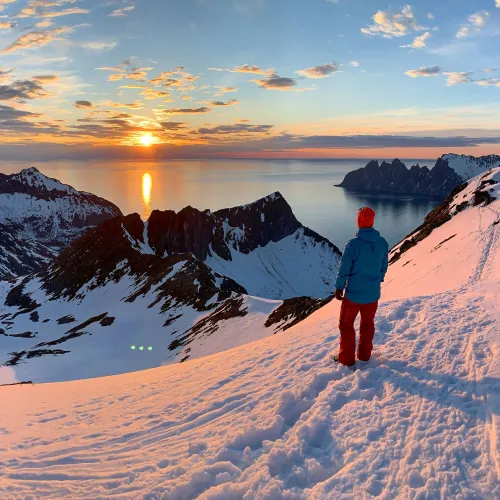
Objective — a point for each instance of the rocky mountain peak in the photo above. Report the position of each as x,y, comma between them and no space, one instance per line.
42,215
33,178
395,177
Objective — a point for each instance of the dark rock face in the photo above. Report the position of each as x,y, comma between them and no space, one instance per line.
293,311
229,309
243,228
105,254
266,220
395,177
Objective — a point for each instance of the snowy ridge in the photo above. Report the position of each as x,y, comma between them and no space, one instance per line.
262,246
470,166
277,419
51,212
39,216
33,177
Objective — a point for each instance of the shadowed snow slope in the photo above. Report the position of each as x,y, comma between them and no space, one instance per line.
470,166
276,419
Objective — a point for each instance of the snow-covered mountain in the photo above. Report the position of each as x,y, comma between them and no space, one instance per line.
449,171
470,166
39,216
184,284
20,256
276,419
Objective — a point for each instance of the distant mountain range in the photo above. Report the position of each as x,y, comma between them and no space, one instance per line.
131,295
450,171
39,216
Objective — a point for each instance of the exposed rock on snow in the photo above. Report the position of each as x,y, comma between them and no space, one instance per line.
20,255
39,216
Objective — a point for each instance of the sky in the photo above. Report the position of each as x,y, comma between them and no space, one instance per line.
85,79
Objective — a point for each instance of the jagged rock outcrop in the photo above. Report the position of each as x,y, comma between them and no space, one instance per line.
395,177
449,171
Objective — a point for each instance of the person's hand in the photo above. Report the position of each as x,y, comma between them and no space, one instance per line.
339,294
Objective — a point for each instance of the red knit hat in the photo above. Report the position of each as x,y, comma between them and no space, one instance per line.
366,218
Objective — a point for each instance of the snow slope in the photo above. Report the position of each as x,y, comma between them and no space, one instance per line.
470,166
47,351
275,419
294,266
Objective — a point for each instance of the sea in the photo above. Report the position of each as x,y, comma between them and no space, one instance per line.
307,185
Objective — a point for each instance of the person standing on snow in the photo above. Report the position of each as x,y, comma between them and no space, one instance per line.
362,270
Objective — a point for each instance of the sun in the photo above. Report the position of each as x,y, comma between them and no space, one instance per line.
147,140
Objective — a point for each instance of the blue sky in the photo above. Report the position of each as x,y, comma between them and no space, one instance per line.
249,78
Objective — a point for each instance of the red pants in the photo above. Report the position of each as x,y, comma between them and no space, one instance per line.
348,313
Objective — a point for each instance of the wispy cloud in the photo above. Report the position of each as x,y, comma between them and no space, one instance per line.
245,68
47,79
237,128
5,75
476,23
132,105
83,105
183,111
99,46
419,42
321,71
224,90
231,102
393,24
36,39
423,71
65,12
22,90
493,82
276,82
5,2
139,74
456,78
122,12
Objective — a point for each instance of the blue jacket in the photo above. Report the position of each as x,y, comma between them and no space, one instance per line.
363,267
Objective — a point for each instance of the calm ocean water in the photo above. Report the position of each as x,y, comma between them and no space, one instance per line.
307,185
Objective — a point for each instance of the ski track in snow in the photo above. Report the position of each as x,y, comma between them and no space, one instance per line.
299,427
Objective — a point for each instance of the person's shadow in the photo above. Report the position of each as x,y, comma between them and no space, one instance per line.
480,399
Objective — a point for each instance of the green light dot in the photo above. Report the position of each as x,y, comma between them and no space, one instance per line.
141,348
132,347
150,348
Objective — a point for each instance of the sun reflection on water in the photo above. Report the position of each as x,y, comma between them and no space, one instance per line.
147,186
